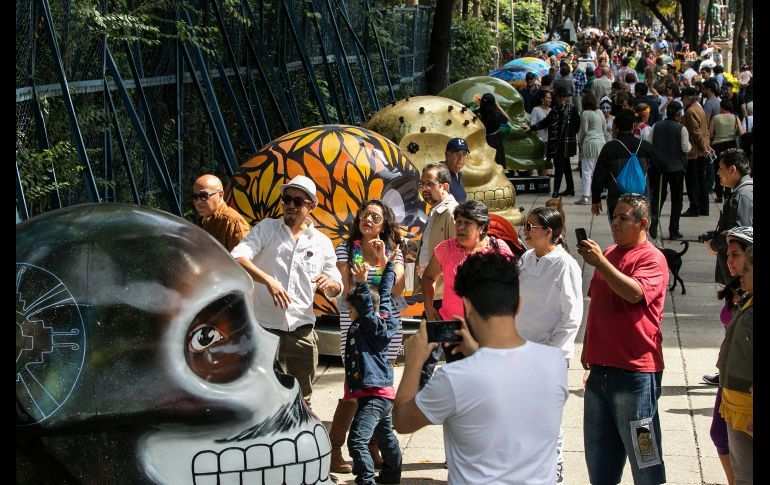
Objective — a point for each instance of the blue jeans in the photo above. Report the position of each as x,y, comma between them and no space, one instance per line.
620,420
374,418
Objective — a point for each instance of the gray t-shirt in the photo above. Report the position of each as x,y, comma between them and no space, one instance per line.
711,106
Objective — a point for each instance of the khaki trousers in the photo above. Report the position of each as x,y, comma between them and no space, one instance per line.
299,349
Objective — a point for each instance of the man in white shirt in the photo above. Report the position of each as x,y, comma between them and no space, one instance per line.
501,405
291,259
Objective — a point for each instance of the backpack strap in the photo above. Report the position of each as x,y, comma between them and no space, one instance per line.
624,146
637,148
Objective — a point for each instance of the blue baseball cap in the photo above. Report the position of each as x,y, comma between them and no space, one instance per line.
457,144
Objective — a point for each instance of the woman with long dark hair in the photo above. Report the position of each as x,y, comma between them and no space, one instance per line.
374,224
492,115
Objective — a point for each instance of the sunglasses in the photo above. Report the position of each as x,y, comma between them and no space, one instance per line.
528,226
373,216
297,201
203,196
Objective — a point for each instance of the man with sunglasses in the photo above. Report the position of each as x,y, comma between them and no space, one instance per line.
224,223
292,260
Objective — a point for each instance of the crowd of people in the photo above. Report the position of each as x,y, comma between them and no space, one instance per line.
646,75
501,393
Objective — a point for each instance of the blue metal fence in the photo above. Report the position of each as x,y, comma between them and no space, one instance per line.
138,121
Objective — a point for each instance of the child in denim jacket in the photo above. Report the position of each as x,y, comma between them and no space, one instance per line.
369,374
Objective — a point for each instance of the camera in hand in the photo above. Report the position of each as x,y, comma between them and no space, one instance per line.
707,236
443,331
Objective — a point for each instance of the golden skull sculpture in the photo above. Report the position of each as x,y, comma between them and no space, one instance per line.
422,125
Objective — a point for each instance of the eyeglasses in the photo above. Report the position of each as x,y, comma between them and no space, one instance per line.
373,216
528,226
297,201
203,196
426,184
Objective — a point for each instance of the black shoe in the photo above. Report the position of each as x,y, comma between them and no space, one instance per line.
675,235
388,479
689,213
568,193
711,379
554,195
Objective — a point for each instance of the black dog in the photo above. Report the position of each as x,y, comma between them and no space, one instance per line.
674,261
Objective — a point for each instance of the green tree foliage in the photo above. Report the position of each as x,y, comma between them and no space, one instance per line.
470,50
529,22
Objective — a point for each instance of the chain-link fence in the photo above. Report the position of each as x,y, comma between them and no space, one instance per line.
149,111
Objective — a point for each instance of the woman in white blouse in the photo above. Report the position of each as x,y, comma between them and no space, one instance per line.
550,291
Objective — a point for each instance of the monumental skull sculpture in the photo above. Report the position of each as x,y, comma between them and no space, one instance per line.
523,150
422,126
348,164
138,359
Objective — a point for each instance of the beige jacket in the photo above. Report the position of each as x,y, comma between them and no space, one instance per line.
442,228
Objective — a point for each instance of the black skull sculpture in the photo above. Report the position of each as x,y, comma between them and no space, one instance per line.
138,359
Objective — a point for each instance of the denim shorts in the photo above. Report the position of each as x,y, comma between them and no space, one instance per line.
620,420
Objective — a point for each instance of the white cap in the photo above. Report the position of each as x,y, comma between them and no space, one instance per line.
302,183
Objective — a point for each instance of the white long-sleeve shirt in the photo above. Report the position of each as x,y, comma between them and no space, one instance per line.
270,246
551,295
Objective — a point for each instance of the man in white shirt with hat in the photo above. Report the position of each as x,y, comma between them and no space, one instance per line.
291,259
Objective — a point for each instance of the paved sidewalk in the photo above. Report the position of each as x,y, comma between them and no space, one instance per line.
692,334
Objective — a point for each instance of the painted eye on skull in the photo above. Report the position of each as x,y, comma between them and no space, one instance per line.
219,345
203,337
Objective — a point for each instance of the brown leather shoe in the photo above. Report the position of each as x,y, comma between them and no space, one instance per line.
343,416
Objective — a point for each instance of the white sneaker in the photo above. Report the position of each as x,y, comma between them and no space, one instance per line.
583,201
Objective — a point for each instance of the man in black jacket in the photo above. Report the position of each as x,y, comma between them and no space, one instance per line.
563,122
613,158
672,142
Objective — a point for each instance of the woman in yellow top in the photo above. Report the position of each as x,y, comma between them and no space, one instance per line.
736,373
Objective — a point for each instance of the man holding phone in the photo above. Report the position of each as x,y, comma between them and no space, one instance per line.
623,349
505,383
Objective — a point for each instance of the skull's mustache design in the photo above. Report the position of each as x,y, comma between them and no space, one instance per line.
288,416
303,459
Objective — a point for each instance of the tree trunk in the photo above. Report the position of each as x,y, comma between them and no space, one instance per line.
604,15
737,61
690,11
476,9
578,15
438,52
709,19
748,25
464,10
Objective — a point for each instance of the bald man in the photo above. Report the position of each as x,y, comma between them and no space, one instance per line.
223,222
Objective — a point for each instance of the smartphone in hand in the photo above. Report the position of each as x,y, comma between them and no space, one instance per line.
580,234
443,331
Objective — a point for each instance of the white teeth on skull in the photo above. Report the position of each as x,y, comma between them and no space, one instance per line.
302,460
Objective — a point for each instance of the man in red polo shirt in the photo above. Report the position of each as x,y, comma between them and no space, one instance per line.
623,349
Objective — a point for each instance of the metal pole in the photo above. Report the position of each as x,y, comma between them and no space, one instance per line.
513,30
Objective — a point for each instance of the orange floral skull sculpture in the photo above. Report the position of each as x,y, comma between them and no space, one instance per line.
348,165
